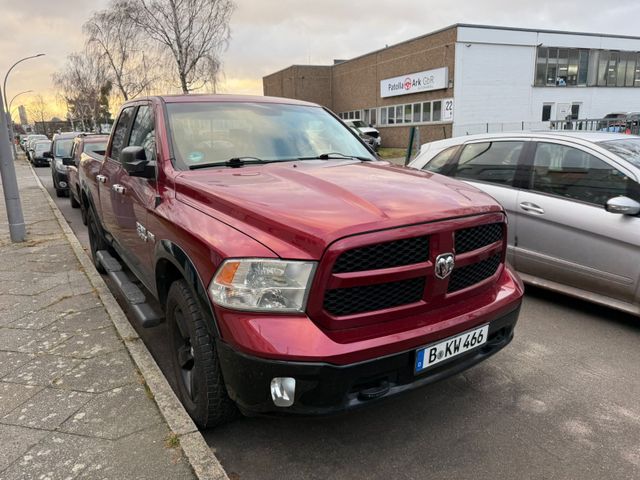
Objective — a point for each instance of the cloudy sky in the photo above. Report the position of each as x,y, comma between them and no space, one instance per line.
268,35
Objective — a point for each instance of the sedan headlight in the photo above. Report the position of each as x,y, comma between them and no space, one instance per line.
262,285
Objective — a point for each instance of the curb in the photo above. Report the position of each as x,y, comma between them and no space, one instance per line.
202,460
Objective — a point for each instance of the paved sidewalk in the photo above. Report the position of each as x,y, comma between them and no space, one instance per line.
72,403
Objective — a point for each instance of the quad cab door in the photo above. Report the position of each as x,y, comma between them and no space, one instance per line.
131,197
565,235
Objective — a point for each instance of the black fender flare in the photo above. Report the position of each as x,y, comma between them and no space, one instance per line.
174,254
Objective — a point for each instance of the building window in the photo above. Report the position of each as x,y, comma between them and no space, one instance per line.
562,67
437,111
426,112
408,116
392,115
399,116
383,116
416,112
546,112
373,119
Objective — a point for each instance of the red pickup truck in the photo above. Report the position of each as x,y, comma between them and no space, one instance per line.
298,272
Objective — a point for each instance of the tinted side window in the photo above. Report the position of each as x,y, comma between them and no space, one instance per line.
494,162
575,174
439,163
120,132
143,132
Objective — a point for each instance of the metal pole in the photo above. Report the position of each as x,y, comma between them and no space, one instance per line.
4,90
17,229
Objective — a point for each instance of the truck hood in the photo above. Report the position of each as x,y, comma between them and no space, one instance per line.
297,209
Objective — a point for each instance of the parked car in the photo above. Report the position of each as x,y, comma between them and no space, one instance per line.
572,199
370,141
39,149
298,273
86,147
31,139
368,130
60,157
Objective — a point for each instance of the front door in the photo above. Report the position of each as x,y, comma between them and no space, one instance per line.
565,235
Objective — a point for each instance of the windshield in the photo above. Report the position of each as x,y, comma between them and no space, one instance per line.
63,147
96,146
216,132
627,149
359,124
42,146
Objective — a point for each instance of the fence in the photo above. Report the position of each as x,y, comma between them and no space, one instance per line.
587,124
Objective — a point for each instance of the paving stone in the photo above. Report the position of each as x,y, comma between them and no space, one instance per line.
15,442
88,345
9,361
42,370
79,322
101,374
114,414
47,409
28,283
30,341
13,395
144,463
59,456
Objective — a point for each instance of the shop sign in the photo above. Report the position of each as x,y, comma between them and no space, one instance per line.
426,81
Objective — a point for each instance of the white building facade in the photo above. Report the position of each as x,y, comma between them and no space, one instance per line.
511,79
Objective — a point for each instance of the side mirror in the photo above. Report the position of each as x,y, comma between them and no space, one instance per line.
623,206
67,161
47,155
134,161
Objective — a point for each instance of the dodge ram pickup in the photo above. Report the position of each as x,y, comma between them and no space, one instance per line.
297,272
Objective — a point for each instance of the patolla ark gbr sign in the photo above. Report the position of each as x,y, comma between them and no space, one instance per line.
435,79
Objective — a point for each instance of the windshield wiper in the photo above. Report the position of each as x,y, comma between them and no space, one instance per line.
234,162
335,155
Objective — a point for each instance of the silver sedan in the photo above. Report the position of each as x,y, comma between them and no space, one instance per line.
573,202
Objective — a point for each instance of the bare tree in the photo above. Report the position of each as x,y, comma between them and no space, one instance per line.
39,110
112,34
195,32
84,84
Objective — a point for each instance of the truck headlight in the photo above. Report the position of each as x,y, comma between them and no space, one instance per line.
59,165
262,285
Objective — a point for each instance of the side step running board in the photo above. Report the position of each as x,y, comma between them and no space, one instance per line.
146,315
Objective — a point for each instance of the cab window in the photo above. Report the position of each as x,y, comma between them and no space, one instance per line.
441,161
143,132
493,162
120,132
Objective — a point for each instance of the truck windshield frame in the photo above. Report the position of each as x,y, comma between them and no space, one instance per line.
214,132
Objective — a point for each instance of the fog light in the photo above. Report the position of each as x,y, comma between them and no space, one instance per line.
283,390
62,184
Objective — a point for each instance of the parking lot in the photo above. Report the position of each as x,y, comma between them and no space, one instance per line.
560,402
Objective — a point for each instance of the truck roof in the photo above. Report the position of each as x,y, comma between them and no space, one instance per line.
207,98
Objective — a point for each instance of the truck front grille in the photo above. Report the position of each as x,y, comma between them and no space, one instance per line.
469,275
347,301
384,255
473,238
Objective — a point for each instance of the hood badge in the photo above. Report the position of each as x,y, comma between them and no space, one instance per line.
444,265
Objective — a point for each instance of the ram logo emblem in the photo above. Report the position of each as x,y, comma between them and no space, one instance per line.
444,265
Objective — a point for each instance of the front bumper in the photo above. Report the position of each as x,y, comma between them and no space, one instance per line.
323,388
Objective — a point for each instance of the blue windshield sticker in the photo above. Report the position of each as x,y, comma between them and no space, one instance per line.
195,157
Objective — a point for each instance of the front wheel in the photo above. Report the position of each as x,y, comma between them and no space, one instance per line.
196,366
73,201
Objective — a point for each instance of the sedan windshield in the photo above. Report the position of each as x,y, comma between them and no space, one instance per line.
42,146
627,149
206,133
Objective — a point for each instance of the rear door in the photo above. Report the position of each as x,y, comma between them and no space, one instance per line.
564,234
111,171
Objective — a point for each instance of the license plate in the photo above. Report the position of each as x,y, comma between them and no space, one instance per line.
451,347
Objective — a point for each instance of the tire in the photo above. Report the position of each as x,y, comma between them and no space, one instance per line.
96,240
72,200
60,192
196,367
83,213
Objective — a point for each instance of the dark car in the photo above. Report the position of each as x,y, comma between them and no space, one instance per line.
298,273
39,150
61,150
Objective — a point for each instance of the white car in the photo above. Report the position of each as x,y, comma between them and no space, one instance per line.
367,130
573,202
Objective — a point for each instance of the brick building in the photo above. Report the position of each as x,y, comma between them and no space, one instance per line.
467,79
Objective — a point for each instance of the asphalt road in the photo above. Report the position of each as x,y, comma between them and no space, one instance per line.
562,401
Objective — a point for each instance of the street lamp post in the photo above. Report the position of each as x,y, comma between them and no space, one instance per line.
17,229
4,90
16,96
